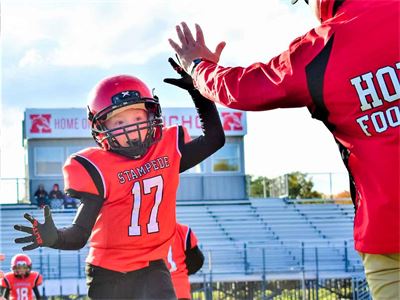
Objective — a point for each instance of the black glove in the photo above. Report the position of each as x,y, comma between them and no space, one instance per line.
185,82
43,235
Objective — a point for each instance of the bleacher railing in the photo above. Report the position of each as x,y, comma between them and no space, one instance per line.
225,261
226,269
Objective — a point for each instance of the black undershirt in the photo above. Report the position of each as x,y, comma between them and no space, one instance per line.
76,236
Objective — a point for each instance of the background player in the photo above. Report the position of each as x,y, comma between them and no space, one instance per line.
128,188
21,281
184,259
2,258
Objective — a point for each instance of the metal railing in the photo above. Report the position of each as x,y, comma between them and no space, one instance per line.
330,185
225,261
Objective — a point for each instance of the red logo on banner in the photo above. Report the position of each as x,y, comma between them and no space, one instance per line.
40,123
232,121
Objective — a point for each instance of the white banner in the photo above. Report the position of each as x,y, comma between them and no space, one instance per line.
73,123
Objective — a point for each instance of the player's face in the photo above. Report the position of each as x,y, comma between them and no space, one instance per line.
21,270
128,117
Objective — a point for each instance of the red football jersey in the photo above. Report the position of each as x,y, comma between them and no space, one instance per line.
346,72
184,237
21,288
137,221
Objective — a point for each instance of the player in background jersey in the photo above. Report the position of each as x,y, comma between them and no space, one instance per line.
184,259
2,257
346,72
21,282
128,187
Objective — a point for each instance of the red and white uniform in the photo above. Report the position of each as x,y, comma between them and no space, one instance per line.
184,238
21,288
137,221
346,72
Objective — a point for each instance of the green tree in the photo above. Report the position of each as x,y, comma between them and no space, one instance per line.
301,187
259,186
223,165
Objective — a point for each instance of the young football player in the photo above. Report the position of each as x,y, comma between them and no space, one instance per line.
2,257
21,281
128,187
184,259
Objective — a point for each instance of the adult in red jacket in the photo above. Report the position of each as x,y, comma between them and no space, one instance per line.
346,72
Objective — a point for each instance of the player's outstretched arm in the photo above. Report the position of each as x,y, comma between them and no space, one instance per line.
213,137
76,236
73,237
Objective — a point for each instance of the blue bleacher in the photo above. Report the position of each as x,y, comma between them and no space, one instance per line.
238,238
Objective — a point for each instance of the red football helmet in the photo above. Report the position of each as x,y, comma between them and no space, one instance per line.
114,93
21,265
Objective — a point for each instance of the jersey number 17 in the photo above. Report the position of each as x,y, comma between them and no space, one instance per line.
147,184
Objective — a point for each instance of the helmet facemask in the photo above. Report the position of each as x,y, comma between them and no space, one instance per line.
135,148
21,269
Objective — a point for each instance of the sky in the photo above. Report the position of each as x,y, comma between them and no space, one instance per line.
53,52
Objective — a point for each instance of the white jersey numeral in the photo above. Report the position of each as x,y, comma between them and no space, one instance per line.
148,184
22,294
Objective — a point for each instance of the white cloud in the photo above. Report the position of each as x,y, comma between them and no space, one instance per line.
32,58
108,34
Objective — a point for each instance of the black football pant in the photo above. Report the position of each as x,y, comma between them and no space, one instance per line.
152,282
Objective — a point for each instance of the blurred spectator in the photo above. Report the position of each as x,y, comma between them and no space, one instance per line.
56,197
70,202
41,196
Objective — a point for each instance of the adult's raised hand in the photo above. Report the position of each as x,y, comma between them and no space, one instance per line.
191,48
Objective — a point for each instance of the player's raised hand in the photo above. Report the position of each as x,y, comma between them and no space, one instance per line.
185,82
40,235
191,48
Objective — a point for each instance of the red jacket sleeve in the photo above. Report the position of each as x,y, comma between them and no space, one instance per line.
279,83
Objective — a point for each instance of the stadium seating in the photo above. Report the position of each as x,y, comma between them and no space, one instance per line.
238,238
